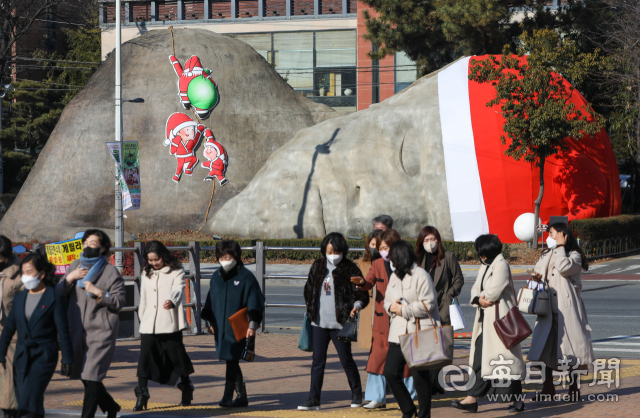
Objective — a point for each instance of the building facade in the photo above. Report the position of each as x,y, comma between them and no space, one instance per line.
316,45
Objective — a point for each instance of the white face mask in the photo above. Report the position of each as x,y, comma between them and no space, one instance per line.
391,266
228,265
430,247
334,259
551,243
30,282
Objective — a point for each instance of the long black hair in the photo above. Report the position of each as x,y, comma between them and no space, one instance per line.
337,241
161,251
402,256
41,263
571,244
6,249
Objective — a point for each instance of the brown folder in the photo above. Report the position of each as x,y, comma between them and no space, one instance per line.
240,323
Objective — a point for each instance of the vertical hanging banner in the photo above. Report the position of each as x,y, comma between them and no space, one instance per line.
131,171
115,148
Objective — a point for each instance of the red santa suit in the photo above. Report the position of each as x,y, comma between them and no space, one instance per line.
183,150
217,165
192,69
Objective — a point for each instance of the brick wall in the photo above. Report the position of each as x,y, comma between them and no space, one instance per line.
328,7
168,10
302,7
220,9
193,9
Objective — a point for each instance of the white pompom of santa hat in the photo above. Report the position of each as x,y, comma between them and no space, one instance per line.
176,122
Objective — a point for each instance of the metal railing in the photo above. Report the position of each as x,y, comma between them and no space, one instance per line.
610,247
194,278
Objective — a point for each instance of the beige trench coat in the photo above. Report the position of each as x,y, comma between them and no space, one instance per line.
10,288
563,275
94,323
497,288
416,288
154,292
365,321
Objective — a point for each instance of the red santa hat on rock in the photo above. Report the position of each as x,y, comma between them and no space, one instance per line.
175,123
488,190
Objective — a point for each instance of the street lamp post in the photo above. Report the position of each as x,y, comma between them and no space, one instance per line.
119,227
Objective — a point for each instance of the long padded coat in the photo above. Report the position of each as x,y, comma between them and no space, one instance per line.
94,323
36,353
230,292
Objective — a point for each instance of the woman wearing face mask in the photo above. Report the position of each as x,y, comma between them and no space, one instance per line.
365,321
232,288
163,357
378,279
444,269
11,285
565,330
494,285
410,300
39,317
331,299
95,292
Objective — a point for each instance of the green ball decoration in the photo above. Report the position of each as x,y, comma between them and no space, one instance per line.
202,93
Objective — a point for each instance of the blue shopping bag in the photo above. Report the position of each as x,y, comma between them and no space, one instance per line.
306,337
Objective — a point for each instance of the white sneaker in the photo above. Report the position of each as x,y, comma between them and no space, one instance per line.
374,405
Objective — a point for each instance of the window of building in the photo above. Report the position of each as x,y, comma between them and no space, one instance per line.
320,65
406,71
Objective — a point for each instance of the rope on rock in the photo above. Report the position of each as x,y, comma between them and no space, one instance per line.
210,202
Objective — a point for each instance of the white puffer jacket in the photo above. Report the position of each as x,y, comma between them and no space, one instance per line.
154,292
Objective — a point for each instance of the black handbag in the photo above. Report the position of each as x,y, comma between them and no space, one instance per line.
349,332
249,352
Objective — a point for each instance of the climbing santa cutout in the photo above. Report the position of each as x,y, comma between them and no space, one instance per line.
196,88
183,135
217,160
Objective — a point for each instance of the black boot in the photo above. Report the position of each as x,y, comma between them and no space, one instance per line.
241,401
187,393
227,398
142,395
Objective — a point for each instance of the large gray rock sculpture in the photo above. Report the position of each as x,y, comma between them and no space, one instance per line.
339,174
72,184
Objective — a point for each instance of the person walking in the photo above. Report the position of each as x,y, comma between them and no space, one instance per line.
378,279
232,289
365,322
488,355
39,317
382,222
95,294
444,269
410,300
331,299
10,286
564,332
163,357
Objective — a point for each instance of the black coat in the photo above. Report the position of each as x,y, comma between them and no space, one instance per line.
346,293
230,292
448,280
36,354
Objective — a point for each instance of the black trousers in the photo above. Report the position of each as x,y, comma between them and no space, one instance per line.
95,394
234,373
393,372
321,339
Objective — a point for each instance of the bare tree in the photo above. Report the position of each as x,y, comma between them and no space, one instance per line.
19,19
622,84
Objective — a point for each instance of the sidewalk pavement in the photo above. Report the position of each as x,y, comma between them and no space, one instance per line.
278,381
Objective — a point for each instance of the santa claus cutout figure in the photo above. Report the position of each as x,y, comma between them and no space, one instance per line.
183,135
217,160
196,88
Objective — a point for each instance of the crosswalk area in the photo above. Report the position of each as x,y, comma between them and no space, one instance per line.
619,345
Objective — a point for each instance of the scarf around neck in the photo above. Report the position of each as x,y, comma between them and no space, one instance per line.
94,265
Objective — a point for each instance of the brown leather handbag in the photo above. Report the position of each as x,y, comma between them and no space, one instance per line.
512,329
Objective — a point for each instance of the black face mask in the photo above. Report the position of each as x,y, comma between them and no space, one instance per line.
91,252
3,266
375,254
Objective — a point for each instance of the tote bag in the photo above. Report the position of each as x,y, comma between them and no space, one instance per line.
456,316
305,343
431,348
533,301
